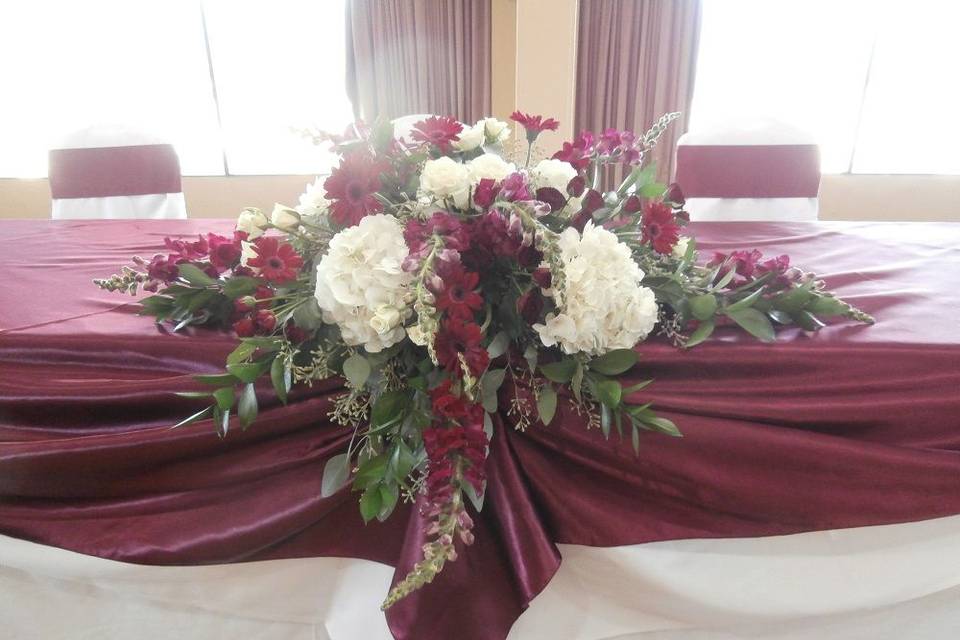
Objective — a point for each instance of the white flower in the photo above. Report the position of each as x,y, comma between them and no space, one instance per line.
680,249
416,335
557,174
247,251
602,305
252,221
470,137
313,201
361,286
489,165
497,131
446,178
284,217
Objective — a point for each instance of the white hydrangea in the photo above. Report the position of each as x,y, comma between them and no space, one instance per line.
252,220
489,165
446,178
497,131
361,286
313,202
602,305
557,174
470,137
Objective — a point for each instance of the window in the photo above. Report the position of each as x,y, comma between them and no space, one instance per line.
225,82
874,81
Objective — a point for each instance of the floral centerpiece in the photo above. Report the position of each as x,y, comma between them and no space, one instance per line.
440,279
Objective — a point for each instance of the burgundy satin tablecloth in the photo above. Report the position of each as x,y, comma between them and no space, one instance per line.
852,426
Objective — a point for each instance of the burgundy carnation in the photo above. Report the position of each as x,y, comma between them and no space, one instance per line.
530,305
485,193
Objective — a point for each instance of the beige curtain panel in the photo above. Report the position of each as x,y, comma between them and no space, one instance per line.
418,56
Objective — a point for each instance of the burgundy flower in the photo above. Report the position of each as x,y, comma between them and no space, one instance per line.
743,263
542,277
245,327
534,124
447,405
418,234
591,202
351,187
529,256
552,197
491,237
457,296
265,320
188,250
530,305
457,338
295,334
514,188
675,195
576,153
164,268
440,132
659,227
576,186
485,193
224,252
632,205
277,262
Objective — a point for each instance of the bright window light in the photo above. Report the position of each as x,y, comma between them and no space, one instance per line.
871,81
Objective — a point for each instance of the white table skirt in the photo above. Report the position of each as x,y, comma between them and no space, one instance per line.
888,582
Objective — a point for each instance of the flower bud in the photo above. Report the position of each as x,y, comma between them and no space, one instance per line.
284,218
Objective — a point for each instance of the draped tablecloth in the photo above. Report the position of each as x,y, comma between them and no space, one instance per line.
851,427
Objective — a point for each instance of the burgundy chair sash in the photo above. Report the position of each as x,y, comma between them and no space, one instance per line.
101,172
749,171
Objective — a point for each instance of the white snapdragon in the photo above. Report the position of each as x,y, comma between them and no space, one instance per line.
470,137
602,305
489,165
361,286
313,202
497,131
284,218
557,174
446,178
252,221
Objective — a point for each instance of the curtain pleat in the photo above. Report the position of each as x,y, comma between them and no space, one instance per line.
636,61
418,56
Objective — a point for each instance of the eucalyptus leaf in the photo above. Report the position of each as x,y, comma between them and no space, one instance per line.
498,346
488,426
547,404
356,369
336,473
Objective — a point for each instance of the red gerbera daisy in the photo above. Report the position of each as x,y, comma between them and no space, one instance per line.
457,296
457,338
660,228
534,124
441,132
276,262
352,186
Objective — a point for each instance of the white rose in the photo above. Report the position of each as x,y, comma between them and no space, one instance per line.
284,217
470,138
497,131
313,202
446,178
253,221
489,165
361,286
602,305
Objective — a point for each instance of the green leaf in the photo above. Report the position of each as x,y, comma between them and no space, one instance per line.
488,426
744,303
356,369
780,317
388,407
807,321
199,415
614,362
561,371
370,503
224,397
636,387
403,460
700,334
703,307
156,305
388,500
635,439
489,385
498,346
662,425
247,406
795,299
828,306
724,281
193,394
371,471
224,423
280,377
336,473
547,404
754,322
475,498
217,379
530,354
605,421
239,286
248,372
609,392
242,353
194,275
652,190
576,384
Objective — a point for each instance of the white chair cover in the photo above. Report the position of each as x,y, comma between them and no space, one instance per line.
110,171
750,170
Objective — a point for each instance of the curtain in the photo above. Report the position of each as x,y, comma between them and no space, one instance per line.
408,57
636,61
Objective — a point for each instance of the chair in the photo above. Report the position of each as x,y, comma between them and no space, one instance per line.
114,172
754,170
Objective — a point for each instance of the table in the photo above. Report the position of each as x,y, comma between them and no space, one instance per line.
854,426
